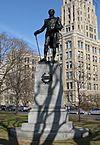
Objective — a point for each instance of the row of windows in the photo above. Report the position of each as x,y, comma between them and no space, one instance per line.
27,60
59,49
90,29
69,28
87,47
59,57
95,77
26,67
89,86
80,55
91,35
81,75
95,86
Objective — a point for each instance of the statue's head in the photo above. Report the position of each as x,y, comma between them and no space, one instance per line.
51,12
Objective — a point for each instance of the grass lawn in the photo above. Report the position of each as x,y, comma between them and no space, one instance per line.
8,120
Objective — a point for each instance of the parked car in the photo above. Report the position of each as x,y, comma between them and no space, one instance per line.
73,111
11,108
76,111
26,108
3,107
83,112
95,111
20,108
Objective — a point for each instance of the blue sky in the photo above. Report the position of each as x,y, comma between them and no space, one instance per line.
20,18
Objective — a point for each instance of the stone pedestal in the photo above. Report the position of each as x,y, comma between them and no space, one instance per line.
48,120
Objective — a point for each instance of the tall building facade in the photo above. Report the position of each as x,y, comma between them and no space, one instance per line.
79,49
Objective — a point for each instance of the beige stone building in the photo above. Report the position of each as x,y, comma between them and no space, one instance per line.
79,48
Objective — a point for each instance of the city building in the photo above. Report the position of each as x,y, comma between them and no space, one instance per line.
79,49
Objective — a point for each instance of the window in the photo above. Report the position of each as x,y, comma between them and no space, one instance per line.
70,54
70,75
27,59
94,30
72,27
71,85
95,86
67,65
81,54
70,64
66,44
78,19
88,66
89,76
87,56
70,44
78,54
93,49
95,37
33,61
66,29
87,34
66,55
33,68
94,77
89,86
67,85
79,27
88,47
67,75
95,58
86,27
80,44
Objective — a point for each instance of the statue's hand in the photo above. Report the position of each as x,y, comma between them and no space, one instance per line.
35,33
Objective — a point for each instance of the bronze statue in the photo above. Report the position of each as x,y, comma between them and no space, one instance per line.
53,26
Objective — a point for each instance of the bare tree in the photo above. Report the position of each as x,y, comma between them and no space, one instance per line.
16,77
20,79
5,66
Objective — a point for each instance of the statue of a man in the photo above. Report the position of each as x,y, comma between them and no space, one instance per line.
53,26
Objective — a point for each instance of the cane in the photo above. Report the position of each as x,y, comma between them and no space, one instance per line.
38,47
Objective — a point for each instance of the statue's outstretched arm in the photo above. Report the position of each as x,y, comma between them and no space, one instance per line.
40,30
